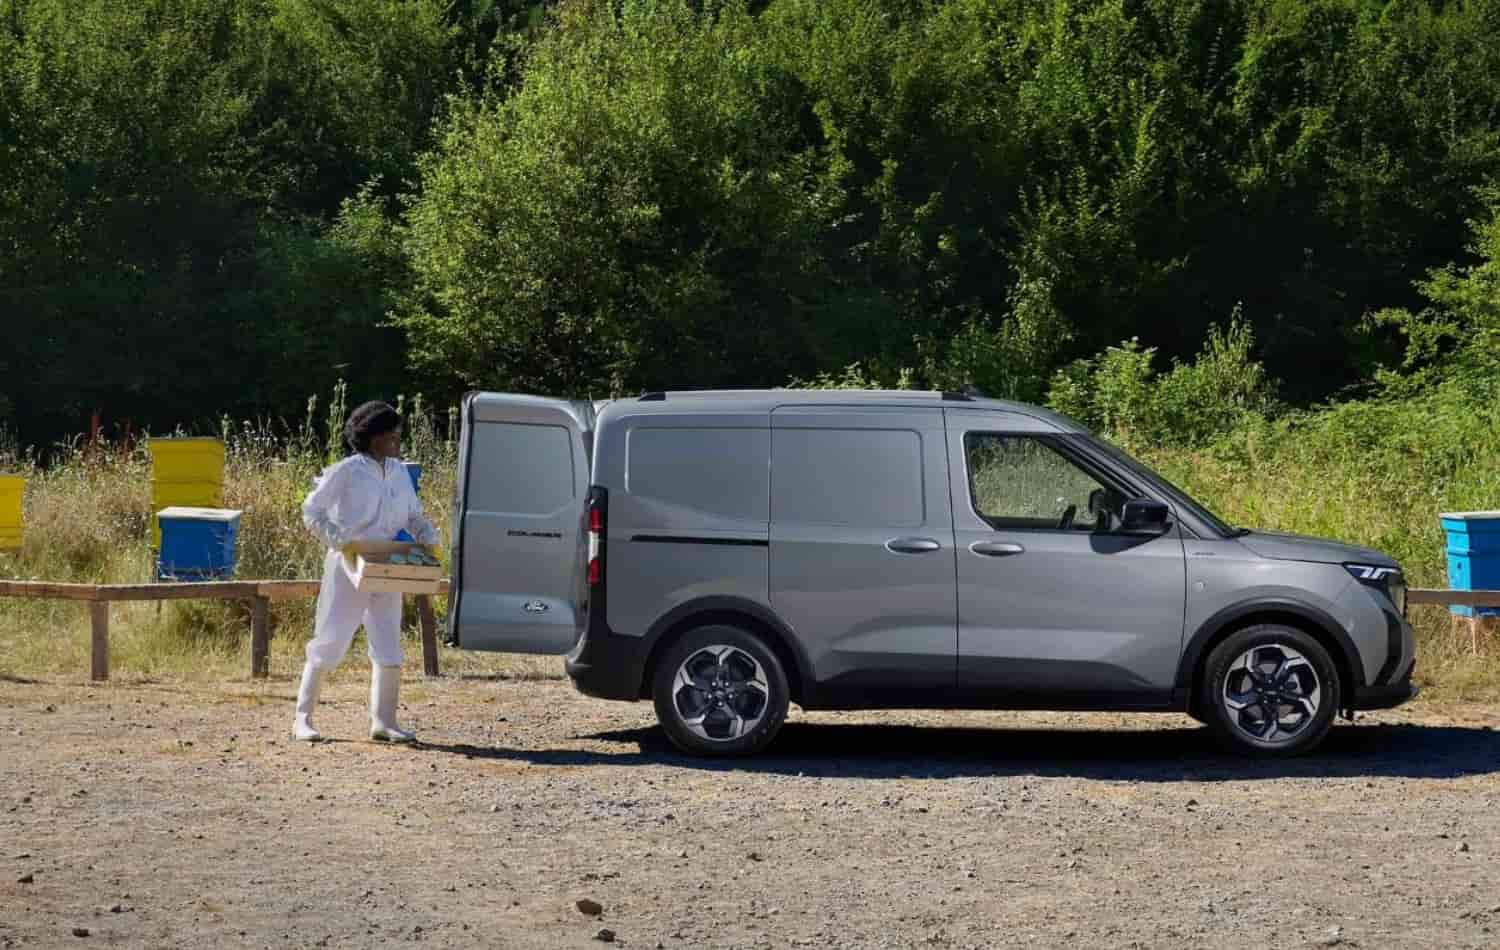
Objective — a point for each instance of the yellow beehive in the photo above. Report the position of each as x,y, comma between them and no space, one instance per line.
12,488
184,473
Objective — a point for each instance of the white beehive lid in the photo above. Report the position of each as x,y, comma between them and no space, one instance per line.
200,514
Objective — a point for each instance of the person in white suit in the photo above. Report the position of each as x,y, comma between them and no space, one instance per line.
366,497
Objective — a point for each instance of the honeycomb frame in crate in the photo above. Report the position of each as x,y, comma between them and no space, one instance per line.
370,567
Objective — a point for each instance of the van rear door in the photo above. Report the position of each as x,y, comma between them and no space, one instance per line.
519,536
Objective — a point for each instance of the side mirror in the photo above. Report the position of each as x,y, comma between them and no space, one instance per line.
1144,516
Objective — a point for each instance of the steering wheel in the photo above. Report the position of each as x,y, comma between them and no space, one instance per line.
1067,517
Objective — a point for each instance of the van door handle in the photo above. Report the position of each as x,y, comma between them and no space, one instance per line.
912,546
996,548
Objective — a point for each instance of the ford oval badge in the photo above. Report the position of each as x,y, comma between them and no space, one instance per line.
534,607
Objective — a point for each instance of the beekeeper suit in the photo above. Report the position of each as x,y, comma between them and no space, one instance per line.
366,497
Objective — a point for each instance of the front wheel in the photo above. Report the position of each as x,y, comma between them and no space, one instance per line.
720,690
1269,691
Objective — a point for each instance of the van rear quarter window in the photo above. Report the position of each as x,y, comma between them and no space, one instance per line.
521,469
718,471
868,477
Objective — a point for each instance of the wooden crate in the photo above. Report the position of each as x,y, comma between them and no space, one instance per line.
372,571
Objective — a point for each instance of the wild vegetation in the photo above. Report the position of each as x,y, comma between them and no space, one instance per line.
604,196
1254,241
87,519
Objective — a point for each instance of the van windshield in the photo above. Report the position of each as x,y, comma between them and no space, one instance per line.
1176,495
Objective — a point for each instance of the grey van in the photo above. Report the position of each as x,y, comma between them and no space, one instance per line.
724,554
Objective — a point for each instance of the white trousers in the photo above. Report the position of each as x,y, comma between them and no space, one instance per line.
341,610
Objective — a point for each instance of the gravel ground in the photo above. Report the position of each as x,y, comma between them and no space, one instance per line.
182,816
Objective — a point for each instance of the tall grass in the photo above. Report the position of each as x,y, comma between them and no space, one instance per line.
1376,472
87,516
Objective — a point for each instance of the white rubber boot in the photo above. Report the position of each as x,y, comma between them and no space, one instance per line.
307,700
385,690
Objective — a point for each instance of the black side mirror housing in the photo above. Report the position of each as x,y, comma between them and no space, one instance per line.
1144,516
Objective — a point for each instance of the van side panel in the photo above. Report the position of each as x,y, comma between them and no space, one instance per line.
862,564
689,498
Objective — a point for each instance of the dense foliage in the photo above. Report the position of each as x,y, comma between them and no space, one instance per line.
219,205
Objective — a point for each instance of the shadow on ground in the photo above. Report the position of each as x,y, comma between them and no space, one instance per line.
1145,755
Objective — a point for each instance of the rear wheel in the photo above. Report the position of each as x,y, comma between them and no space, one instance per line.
720,690
1269,691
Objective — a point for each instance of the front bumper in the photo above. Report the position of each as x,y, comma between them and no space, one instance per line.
1384,697
1388,695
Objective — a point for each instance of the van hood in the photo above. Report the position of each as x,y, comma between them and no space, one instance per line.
1300,547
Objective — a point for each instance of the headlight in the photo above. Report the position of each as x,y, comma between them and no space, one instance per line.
1387,580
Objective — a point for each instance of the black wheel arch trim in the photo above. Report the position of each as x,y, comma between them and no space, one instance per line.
684,613
1229,617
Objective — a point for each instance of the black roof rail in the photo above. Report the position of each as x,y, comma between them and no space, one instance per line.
968,393
653,397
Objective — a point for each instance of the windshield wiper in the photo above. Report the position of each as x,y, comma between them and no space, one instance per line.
1239,532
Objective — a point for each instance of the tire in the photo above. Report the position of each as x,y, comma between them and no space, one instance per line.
734,683
1268,666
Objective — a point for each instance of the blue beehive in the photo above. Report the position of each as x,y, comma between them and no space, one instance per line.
197,544
1473,555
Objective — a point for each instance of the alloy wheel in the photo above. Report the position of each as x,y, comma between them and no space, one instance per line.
720,692
1272,693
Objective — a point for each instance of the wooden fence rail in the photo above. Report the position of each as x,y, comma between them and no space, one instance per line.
1466,598
1454,598
258,593
261,593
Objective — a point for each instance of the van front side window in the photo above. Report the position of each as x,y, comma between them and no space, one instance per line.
1020,482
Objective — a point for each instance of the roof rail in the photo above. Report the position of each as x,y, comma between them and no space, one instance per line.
968,393
653,397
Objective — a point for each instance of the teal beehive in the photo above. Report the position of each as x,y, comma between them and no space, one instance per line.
1473,555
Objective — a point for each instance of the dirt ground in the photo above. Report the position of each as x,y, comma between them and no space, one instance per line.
182,816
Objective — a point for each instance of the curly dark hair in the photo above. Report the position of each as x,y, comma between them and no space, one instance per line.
368,421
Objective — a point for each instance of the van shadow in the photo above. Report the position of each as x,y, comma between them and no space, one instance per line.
1141,755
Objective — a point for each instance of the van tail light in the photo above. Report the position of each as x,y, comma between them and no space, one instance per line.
598,505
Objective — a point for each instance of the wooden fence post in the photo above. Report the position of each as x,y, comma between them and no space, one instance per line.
429,635
99,621
260,637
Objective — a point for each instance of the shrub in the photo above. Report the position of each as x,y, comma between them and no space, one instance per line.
1119,393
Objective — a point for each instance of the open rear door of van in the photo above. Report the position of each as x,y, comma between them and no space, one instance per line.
520,542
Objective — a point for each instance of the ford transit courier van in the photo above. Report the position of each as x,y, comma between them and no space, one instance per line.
724,554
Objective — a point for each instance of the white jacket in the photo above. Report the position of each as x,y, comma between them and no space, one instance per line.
355,500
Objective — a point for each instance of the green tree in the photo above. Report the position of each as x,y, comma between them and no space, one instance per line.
637,214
